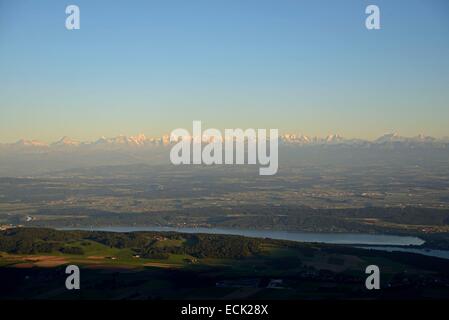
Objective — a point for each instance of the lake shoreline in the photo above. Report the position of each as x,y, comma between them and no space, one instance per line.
383,242
344,238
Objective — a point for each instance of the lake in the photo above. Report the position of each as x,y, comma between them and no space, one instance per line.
332,238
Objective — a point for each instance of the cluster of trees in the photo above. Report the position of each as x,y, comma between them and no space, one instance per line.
219,246
121,240
206,245
28,241
34,241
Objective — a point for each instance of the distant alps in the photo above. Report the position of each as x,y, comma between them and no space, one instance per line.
122,141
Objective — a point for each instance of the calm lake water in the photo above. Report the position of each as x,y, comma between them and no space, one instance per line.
334,238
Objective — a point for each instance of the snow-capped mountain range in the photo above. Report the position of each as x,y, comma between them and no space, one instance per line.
32,157
386,139
67,142
390,139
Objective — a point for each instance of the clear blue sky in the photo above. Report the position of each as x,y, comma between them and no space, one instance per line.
152,66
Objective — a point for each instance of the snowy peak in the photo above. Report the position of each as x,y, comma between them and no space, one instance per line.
138,140
334,138
390,137
424,138
395,138
304,140
66,141
293,138
30,143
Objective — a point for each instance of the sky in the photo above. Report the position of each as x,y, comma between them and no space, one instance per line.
149,67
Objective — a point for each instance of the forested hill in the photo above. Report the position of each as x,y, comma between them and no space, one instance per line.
146,244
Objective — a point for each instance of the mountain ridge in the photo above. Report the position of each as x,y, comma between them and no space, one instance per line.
289,139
